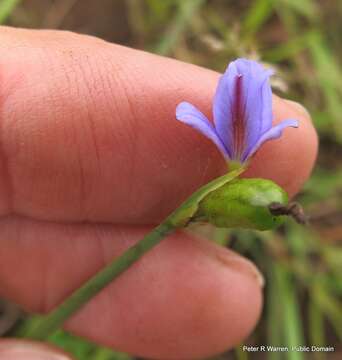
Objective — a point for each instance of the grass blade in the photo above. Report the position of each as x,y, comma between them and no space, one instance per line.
186,11
6,8
292,320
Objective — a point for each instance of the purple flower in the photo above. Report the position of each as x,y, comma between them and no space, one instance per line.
242,112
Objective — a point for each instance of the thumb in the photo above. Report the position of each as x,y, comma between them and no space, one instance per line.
27,350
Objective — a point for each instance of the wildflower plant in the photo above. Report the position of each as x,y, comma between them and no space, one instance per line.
242,114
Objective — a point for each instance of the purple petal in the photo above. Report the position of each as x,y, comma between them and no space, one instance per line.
266,115
190,115
274,133
259,118
223,106
242,106
257,100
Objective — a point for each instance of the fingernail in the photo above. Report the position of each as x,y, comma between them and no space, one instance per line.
243,265
240,264
26,350
298,107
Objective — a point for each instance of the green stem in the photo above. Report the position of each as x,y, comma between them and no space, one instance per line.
39,327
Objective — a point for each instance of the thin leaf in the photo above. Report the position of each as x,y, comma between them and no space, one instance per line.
186,211
6,8
316,328
292,320
274,313
330,306
305,8
256,16
186,11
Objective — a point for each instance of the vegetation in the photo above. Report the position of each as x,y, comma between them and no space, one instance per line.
301,40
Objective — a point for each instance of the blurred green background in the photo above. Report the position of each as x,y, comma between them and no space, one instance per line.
301,39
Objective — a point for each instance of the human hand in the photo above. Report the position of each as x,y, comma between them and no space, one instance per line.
91,158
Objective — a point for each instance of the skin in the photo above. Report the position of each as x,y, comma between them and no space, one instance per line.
91,156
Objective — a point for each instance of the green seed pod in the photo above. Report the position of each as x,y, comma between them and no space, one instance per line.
243,203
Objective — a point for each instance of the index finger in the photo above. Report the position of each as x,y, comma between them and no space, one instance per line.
88,131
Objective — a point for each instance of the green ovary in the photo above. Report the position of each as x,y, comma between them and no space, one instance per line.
243,203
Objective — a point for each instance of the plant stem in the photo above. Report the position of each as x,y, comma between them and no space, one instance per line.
40,327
